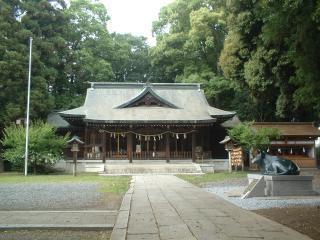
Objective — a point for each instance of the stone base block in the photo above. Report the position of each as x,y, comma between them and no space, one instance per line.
289,185
279,185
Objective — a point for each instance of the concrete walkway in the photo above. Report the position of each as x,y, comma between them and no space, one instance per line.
166,207
90,220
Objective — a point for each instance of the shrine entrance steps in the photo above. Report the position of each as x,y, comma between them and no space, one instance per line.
151,167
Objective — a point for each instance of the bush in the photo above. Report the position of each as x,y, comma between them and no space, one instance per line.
45,147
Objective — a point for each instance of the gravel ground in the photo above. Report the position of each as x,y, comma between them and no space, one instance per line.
234,187
50,196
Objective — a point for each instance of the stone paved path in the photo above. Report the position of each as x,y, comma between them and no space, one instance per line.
166,207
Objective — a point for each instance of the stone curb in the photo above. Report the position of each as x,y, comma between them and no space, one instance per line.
57,226
120,228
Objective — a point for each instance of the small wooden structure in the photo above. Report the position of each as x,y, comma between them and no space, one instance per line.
235,152
297,141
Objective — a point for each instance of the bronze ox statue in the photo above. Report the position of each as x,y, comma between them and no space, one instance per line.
274,165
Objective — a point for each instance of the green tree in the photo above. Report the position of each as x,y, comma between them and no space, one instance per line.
131,63
190,37
270,50
45,21
45,147
250,138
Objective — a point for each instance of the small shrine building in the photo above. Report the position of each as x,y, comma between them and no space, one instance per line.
296,143
143,121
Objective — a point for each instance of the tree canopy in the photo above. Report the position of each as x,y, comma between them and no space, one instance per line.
259,58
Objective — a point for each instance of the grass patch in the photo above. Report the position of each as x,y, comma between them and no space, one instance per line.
112,184
212,177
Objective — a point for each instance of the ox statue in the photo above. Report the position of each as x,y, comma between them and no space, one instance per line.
274,165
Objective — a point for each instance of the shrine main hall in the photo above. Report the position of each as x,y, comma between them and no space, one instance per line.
147,121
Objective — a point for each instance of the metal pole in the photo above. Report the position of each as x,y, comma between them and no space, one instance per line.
28,110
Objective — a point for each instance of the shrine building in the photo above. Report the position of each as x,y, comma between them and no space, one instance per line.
147,121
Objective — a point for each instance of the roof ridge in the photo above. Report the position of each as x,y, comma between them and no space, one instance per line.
96,85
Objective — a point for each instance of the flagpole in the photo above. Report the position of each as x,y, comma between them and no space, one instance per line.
28,113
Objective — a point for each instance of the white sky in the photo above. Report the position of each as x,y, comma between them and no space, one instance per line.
134,16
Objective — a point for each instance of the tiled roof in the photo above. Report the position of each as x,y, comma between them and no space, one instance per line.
112,103
291,128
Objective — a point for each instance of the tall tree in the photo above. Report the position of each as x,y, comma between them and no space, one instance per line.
131,63
269,50
190,36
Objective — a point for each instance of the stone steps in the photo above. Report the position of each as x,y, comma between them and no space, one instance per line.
149,168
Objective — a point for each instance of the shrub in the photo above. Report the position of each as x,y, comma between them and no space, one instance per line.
45,147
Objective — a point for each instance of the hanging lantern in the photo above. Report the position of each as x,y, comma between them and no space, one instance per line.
177,136
185,136
291,151
279,150
154,138
304,150
268,150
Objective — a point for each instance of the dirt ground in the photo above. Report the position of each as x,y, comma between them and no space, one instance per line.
303,219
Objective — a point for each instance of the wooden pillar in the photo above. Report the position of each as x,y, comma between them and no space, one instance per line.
118,144
85,142
103,146
129,146
194,146
168,147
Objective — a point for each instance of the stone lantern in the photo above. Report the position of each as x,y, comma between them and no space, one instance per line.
75,141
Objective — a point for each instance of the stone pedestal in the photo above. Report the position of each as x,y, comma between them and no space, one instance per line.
289,185
278,185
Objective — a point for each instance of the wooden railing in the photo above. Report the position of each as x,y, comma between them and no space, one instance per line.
144,155
149,155
181,155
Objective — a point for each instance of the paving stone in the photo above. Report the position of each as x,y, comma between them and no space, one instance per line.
180,231
118,234
143,236
122,219
142,224
203,229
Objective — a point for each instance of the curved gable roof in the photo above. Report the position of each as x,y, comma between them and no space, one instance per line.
115,103
147,90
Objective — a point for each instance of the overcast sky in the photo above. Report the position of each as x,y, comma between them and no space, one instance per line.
134,16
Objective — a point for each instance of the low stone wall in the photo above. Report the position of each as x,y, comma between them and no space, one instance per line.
82,166
212,165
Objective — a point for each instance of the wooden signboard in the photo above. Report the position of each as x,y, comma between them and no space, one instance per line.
237,158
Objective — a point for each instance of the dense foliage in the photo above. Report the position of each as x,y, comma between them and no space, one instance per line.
45,147
71,46
257,57
248,137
